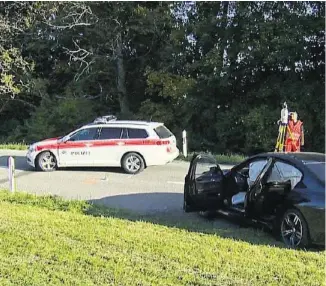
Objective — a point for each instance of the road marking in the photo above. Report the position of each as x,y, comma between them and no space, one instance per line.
105,178
90,181
176,183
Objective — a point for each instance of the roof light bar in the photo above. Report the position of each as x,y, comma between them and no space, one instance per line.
105,119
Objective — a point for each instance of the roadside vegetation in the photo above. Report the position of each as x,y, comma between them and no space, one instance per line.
49,241
219,70
220,158
14,146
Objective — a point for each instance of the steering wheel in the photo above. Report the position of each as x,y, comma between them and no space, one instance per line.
241,175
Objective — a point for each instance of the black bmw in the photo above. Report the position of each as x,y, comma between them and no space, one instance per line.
284,191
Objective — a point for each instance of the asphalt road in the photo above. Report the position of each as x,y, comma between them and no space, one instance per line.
156,189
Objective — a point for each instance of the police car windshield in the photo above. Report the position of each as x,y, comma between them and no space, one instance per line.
71,133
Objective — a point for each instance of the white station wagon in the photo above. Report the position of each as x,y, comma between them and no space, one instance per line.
107,142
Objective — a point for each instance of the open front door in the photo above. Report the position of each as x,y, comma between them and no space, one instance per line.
203,184
255,196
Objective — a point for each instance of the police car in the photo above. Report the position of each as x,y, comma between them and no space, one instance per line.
132,145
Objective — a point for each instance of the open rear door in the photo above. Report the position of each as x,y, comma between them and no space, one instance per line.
204,184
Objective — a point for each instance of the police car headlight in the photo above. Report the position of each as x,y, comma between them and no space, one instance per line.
32,148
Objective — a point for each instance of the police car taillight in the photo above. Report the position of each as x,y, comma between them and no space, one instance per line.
162,142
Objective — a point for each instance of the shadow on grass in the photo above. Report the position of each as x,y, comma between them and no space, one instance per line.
129,207
177,218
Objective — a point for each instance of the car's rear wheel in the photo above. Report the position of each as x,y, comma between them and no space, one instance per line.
132,163
294,229
46,162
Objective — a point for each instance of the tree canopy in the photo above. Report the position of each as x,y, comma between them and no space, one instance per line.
220,70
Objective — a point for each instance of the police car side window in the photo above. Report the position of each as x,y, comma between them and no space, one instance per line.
84,134
134,133
110,133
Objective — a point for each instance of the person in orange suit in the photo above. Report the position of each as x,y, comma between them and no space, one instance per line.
294,139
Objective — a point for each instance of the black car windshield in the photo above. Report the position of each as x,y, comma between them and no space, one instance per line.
318,168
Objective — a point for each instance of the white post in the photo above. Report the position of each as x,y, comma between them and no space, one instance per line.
184,143
11,174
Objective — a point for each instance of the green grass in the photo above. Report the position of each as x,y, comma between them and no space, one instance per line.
220,158
50,241
14,146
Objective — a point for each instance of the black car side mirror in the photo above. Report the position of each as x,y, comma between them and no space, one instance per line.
65,139
213,170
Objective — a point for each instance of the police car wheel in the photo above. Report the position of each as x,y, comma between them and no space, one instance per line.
46,162
132,163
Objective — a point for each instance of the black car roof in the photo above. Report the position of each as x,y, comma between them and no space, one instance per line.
295,156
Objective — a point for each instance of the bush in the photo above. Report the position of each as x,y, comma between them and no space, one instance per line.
54,118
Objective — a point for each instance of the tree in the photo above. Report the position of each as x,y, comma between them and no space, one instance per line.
14,68
246,56
110,41
221,70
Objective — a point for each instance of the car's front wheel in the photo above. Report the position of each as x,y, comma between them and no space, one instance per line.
46,162
294,229
132,163
208,214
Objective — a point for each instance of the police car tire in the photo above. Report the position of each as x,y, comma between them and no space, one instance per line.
38,162
125,160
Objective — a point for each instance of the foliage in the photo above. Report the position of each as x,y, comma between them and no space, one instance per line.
220,70
231,159
14,146
54,118
46,240
14,68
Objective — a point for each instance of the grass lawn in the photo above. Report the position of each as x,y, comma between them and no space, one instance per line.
47,241
220,158
14,146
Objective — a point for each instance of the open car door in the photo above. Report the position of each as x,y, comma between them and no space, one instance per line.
256,195
204,184
271,189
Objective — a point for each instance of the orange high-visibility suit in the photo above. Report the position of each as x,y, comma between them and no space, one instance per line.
294,136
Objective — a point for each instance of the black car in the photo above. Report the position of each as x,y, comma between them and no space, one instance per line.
284,191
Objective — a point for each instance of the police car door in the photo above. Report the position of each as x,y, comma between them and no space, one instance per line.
77,150
109,146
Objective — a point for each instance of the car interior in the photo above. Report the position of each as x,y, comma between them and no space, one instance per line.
282,178
238,187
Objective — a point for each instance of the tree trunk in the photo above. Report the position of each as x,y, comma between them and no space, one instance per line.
225,8
121,79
